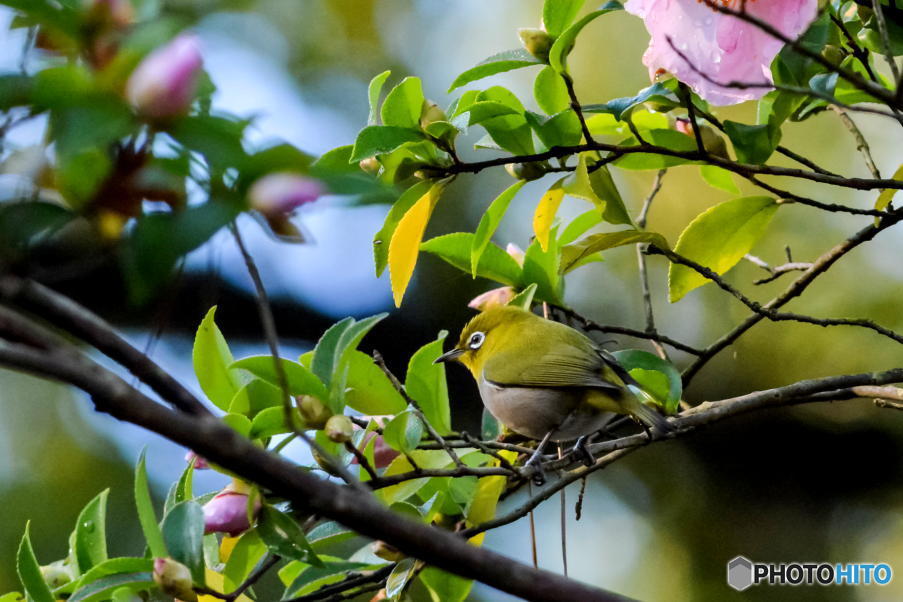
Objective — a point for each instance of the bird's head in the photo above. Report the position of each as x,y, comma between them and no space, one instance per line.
485,334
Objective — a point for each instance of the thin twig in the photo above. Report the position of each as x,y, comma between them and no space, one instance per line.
861,145
575,106
885,39
641,264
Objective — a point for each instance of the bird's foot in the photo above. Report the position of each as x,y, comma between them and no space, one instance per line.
581,451
535,461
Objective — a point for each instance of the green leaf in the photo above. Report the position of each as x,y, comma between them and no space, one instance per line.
373,92
490,222
562,129
256,396
550,92
239,423
381,139
524,299
446,586
212,358
91,533
403,432
248,551
310,577
565,42
490,427
12,597
183,532
718,238
667,138
301,381
578,226
269,422
752,143
598,188
25,225
398,210
572,255
425,382
403,104
284,537
329,533
218,138
337,341
399,577
146,515
495,264
657,93
658,377
718,177
15,90
102,589
541,268
29,571
369,389
558,14
497,63
93,583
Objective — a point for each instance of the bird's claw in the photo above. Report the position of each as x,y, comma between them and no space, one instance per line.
539,475
582,452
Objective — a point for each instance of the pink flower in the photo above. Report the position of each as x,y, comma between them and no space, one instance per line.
165,83
721,46
199,462
497,296
278,194
228,513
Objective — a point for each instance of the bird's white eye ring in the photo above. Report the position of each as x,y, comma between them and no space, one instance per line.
476,339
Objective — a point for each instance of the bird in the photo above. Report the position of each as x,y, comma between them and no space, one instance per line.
547,381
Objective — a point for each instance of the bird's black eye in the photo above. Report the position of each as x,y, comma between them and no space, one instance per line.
476,339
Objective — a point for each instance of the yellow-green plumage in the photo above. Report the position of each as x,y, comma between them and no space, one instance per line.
538,376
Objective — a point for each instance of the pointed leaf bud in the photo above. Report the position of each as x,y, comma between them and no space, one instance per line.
339,428
431,113
370,165
537,42
174,579
712,142
526,171
165,83
278,194
58,573
386,551
516,252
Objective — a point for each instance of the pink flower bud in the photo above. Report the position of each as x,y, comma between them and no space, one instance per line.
174,579
165,82
199,462
683,126
382,453
228,513
497,296
516,252
278,194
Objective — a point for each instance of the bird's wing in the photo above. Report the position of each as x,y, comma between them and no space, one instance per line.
561,365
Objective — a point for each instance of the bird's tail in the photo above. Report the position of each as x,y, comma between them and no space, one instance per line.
646,414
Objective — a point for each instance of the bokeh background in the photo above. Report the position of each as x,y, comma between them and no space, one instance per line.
820,483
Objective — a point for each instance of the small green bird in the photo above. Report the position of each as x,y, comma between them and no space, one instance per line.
546,380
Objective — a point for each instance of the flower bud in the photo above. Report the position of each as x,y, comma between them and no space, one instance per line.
313,411
370,165
174,579
382,453
59,573
386,551
516,252
279,193
712,142
339,428
497,296
537,42
526,171
431,113
833,54
199,462
227,512
106,13
165,83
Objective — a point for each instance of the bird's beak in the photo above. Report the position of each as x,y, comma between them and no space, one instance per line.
448,356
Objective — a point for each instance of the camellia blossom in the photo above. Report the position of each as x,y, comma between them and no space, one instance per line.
165,83
718,48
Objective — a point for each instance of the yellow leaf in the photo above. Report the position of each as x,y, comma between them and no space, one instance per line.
215,582
887,195
486,498
545,213
405,244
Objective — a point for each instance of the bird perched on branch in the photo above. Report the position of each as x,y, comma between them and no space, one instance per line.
547,381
